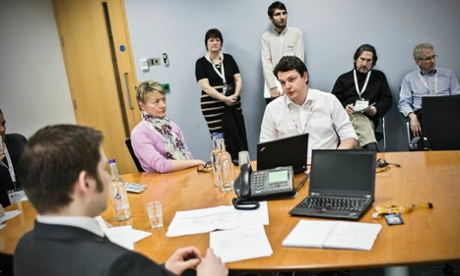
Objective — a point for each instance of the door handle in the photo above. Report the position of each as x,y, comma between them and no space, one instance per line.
130,104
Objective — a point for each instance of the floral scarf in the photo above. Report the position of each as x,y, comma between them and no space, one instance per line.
174,147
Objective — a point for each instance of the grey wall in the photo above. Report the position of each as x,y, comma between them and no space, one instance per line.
34,91
332,31
33,84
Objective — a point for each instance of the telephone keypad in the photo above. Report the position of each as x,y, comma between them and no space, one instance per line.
259,187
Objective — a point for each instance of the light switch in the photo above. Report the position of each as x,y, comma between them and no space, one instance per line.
144,64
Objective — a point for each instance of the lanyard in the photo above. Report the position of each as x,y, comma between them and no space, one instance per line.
393,209
300,131
365,82
10,165
221,74
426,84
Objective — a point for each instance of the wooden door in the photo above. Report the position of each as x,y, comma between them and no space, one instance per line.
100,69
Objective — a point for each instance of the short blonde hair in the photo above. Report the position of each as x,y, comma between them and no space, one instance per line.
145,88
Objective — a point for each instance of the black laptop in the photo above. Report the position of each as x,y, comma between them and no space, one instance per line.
290,151
342,184
440,122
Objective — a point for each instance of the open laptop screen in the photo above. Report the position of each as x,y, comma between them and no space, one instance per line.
344,172
290,151
440,121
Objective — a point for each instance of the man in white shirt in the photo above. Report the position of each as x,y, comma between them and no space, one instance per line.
429,80
276,43
64,173
302,110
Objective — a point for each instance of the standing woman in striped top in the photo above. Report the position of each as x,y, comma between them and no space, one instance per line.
220,81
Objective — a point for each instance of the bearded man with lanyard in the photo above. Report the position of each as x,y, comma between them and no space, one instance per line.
428,81
11,147
365,95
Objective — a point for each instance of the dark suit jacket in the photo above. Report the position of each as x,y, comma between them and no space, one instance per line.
15,144
66,250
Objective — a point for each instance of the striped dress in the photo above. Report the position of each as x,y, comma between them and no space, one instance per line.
211,108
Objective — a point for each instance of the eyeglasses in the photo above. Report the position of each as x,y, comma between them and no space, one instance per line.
206,168
280,13
429,58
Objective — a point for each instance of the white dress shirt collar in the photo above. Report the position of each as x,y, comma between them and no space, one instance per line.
87,223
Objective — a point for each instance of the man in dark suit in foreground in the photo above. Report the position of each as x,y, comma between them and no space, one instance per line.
64,173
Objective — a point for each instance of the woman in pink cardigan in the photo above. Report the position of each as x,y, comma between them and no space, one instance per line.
158,142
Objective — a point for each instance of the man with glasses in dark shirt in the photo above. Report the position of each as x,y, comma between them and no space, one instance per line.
429,80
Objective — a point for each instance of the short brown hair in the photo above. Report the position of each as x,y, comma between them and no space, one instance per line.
288,63
52,161
213,33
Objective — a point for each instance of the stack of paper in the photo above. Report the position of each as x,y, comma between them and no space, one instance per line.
244,236
216,218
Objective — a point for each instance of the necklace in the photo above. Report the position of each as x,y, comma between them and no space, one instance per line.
218,62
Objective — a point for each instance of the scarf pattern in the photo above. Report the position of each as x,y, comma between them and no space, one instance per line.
174,147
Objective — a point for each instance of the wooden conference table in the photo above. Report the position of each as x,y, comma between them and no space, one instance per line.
428,235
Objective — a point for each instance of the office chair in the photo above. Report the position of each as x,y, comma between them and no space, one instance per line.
380,133
415,143
131,151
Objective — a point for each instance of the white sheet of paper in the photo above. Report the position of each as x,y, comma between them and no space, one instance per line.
9,215
240,244
221,217
124,236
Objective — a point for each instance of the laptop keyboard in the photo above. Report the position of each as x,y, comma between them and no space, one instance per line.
334,203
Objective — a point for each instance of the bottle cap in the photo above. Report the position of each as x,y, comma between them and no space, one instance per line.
112,161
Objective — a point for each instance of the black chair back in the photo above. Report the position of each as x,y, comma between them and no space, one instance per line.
131,151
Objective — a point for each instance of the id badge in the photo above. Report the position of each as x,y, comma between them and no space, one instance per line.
394,219
15,195
361,104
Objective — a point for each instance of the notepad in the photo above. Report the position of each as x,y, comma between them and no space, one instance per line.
333,234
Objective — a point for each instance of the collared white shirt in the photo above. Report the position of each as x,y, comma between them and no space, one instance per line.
87,223
321,115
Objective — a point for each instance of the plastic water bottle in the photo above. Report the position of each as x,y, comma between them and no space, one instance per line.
214,159
225,166
120,203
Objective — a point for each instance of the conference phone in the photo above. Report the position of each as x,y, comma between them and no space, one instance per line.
251,186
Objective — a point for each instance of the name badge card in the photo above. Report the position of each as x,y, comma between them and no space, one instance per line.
361,104
15,195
